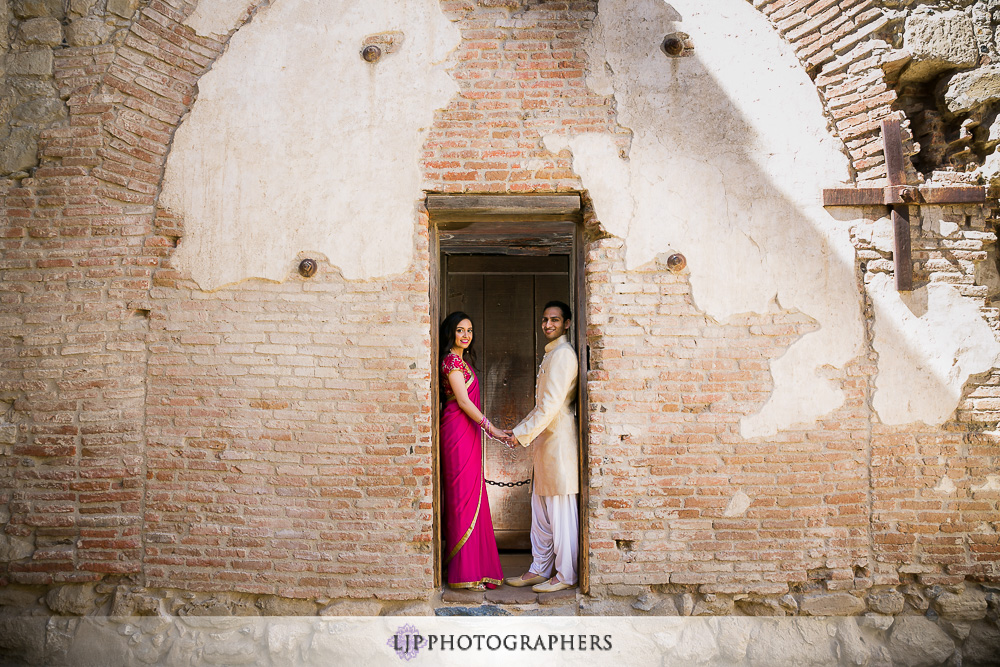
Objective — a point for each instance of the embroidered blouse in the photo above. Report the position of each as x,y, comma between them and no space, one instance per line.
452,362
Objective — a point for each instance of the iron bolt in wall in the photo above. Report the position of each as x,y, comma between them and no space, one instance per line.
307,268
675,44
676,262
371,53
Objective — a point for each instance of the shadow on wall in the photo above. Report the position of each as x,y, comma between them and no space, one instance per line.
729,155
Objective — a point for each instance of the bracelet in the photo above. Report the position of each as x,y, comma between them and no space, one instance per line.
486,425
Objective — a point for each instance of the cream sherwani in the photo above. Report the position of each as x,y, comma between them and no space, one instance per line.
551,430
551,426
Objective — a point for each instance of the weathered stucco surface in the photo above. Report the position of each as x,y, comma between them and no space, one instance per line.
727,163
929,342
217,17
297,144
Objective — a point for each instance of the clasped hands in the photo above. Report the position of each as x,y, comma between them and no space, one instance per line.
507,438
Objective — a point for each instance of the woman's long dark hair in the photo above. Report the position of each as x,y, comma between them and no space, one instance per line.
447,337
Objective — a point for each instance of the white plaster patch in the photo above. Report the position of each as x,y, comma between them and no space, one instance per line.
296,143
945,485
935,222
878,232
727,164
929,342
738,505
992,483
218,17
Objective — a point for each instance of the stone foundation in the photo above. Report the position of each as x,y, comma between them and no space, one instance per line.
900,625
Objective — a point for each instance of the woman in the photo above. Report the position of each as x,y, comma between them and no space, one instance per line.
470,546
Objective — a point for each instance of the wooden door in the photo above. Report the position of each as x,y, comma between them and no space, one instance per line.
504,296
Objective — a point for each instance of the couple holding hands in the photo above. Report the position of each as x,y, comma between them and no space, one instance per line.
471,554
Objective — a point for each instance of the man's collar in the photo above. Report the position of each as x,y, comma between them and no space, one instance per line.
551,345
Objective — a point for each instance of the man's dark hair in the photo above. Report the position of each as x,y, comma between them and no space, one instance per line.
566,312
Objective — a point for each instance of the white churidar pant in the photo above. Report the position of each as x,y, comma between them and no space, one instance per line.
555,528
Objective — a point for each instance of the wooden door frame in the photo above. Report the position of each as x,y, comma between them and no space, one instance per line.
528,216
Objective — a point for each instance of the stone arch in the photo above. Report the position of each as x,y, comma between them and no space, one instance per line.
841,50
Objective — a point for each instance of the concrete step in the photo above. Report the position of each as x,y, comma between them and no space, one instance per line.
514,599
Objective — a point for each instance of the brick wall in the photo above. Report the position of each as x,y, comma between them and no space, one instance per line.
274,438
668,388
521,76
288,431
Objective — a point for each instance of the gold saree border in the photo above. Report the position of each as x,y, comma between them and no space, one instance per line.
468,533
473,584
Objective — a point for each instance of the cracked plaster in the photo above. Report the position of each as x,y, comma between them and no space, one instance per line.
929,342
296,144
217,17
727,162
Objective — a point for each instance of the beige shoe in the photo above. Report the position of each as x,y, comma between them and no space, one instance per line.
550,587
526,579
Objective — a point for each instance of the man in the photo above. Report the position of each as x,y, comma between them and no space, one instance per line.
551,428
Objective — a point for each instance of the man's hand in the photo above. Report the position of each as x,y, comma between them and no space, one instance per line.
509,438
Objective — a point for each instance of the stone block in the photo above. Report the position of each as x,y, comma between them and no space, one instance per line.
22,638
5,19
969,606
87,31
512,595
29,9
938,41
419,608
129,602
665,607
831,604
462,595
965,91
982,646
352,608
607,607
796,643
40,110
759,607
19,151
45,31
713,605
557,597
957,629
875,622
274,605
80,7
733,636
886,602
13,547
123,8
71,600
918,642
853,650
37,63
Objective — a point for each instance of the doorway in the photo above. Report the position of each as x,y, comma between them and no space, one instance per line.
500,258
504,295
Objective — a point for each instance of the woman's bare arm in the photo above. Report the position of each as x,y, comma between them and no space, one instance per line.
456,379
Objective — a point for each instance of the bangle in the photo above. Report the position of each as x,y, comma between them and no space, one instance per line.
487,427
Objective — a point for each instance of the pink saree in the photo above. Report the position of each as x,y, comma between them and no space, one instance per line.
470,548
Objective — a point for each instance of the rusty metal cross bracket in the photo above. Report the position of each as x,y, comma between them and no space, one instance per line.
899,197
